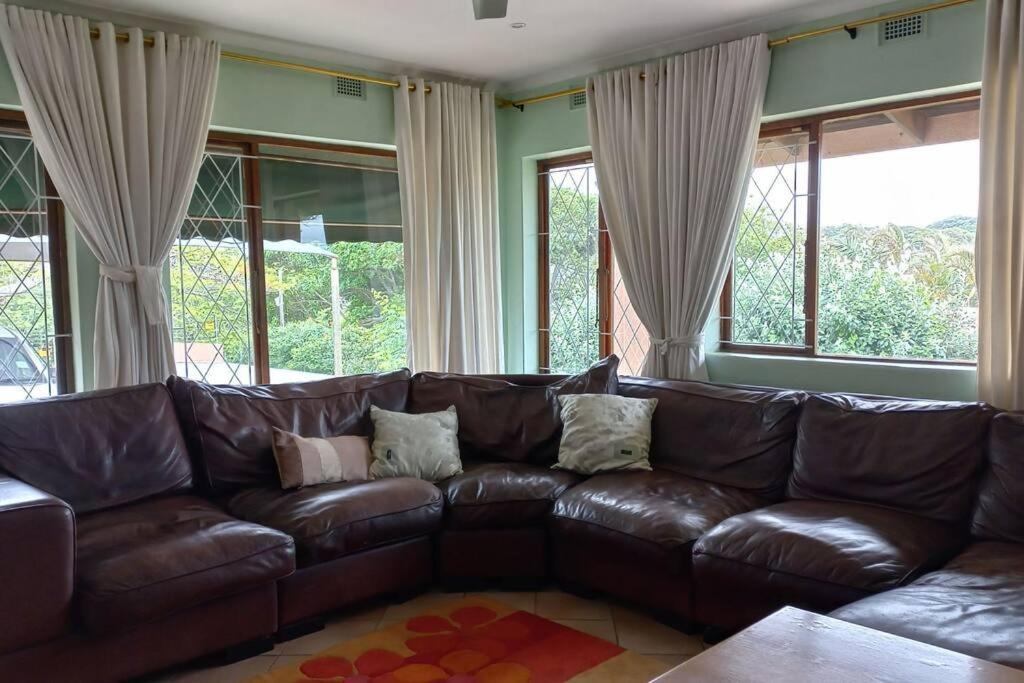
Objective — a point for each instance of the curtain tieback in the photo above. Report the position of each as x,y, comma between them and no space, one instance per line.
663,345
148,284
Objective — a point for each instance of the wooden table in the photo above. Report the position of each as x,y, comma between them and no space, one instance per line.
792,646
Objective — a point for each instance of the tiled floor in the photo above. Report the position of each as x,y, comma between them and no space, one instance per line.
630,629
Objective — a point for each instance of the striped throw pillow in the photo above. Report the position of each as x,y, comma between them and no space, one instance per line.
305,461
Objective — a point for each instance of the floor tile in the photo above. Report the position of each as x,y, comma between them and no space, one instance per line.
522,600
559,605
285,661
419,604
669,660
239,671
603,629
332,634
648,636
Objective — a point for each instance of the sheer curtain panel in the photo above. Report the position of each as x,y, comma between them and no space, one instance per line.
1000,241
673,154
448,181
120,128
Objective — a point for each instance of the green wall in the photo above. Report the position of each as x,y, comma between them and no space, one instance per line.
817,74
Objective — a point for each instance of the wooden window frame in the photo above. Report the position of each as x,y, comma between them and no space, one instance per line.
60,296
248,146
812,125
604,269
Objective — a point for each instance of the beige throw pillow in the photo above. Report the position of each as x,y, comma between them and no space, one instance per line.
305,461
425,446
604,432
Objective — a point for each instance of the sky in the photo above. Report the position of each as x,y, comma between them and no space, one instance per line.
913,186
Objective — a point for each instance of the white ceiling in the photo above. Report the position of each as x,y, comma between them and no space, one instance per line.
562,38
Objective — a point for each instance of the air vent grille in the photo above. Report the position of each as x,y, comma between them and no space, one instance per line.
902,28
578,100
349,87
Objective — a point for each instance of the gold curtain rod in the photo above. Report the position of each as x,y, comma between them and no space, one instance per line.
850,27
123,37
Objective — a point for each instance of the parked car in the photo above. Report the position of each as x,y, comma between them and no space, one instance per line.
23,374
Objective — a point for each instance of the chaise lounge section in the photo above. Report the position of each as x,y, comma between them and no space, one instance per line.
112,565
881,492
975,603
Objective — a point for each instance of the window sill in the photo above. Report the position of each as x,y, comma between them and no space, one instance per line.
854,361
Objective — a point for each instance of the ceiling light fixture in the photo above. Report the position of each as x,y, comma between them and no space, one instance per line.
518,24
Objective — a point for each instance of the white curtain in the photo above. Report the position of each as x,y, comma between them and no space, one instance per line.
120,129
448,180
1000,240
673,155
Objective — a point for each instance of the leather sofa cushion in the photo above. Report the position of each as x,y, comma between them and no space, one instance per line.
648,516
503,421
502,495
999,513
146,561
921,457
230,429
329,521
845,545
37,565
732,436
973,605
97,449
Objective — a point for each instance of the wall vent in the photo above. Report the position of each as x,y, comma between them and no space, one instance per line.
349,87
578,100
902,28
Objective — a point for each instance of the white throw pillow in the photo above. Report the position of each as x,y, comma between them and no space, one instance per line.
425,446
605,432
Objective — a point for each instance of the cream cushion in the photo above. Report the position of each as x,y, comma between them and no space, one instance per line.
425,446
605,432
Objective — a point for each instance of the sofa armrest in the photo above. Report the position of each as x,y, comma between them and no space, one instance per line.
37,564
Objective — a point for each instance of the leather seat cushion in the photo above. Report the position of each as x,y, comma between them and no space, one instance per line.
504,495
648,516
973,605
329,521
145,561
843,545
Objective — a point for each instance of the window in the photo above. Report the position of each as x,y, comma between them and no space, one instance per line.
585,313
333,262
857,237
35,349
290,265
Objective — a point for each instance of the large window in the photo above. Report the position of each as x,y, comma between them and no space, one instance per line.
290,266
857,237
35,348
585,313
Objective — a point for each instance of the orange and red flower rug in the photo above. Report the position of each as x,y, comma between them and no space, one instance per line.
473,640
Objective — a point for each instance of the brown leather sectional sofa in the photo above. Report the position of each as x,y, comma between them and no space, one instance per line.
145,526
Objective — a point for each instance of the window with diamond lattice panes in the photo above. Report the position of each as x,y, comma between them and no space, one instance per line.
857,236
28,341
585,312
210,281
768,276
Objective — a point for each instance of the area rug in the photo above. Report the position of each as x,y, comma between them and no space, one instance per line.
473,640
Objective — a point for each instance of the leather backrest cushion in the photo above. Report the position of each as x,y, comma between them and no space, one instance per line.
97,449
506,421
917,456
999,514
731,436
230,429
